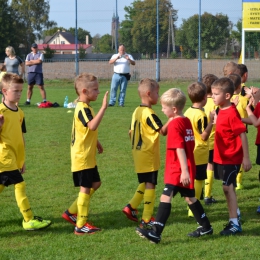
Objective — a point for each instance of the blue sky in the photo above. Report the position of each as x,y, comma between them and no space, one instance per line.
95,16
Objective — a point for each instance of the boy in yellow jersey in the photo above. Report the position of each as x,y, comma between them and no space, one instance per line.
84,143
12,165
241,104
202,128
179,171
145,130
208,80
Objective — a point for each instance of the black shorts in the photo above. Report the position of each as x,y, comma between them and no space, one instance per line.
211,153
201,172
35,78
85,178
258,155
150,177
184,192
11,177
227,173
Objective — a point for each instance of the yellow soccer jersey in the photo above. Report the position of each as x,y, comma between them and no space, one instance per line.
199,122
210,106
12,148
145,139
83,140
241,106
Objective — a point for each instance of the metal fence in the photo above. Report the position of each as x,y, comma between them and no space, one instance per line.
170,69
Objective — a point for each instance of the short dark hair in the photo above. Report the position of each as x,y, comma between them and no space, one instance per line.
242,69
197,91
224,84
208,80
236,80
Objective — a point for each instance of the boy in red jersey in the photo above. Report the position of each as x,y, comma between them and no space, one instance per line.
180,169
231,149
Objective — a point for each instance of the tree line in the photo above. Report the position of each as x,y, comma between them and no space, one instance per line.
24,21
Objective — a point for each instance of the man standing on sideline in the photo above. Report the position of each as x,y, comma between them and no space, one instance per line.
121,75
34,62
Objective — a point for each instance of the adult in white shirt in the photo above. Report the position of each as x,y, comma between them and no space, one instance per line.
122,62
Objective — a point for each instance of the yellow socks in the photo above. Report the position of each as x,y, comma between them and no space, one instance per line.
73,209
149,198
209,183
138,196
22,201
198,188
83,205
239,179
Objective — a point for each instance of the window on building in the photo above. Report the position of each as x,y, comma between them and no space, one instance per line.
62,42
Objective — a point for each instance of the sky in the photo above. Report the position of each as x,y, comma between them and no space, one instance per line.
96,16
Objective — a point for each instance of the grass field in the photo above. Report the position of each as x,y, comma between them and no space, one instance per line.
50,191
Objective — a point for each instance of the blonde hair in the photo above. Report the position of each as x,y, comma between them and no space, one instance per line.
174,97
9,79
230,68
84,80
10,49
146,85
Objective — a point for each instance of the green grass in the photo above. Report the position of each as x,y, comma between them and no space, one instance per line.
50,191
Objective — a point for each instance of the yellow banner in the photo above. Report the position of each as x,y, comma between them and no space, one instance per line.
251,15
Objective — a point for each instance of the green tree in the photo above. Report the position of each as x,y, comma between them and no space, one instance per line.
214,33
48,52
138,30
104,44
82,52
81,34
34,15
95,41
10,29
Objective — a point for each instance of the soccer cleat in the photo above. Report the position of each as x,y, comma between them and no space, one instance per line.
201,231
147,225
149,234
36,223
72,218
27,103
231,229
258,210
239,218
239,186
130,213
86,229
209,201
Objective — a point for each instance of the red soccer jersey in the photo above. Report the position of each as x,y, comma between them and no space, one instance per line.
228,145
257,114
180,135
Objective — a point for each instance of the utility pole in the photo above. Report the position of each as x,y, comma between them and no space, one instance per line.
76,41
170,33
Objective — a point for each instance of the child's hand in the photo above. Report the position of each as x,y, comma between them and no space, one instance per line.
212,116
104,103
2,120
23,169
246,164
185,178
